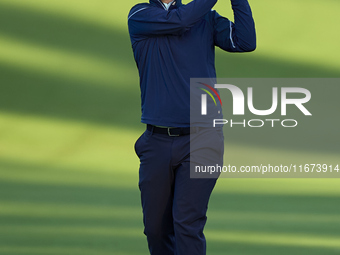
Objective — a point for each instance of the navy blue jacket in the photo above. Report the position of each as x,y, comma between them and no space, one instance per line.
172,46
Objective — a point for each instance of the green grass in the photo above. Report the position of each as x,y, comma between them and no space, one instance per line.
69,116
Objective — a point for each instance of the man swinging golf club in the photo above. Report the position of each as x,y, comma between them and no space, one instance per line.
172,43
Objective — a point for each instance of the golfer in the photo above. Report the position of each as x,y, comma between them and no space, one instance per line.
172,43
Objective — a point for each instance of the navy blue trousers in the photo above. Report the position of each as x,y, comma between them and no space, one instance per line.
175,205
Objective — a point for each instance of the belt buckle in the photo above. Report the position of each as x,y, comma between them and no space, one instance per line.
169,133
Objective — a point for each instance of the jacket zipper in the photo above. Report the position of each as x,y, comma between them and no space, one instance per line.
162,5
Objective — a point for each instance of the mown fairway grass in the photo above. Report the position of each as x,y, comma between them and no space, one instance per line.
69,116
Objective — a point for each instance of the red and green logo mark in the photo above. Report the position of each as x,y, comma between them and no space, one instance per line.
210,94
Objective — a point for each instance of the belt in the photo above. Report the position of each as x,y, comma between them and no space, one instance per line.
171,131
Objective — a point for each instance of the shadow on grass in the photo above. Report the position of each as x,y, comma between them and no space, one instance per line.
104,232
252,65
65,33
102,227
29,93
222,248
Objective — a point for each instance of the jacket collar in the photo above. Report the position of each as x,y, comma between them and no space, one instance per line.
159,3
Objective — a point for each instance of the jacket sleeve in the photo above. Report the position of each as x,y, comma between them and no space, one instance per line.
239,36
147,20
